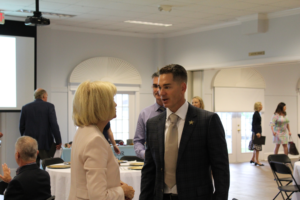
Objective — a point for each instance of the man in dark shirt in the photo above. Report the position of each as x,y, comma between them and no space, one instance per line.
30,182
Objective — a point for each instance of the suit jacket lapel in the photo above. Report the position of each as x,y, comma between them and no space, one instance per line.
189,125
161,136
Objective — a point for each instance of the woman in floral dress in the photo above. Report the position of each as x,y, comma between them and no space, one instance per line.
279,126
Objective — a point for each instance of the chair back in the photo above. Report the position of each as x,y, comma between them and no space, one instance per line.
51,198
280,168
51,161
279,158
131,158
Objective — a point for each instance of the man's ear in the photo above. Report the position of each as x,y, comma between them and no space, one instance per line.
183,87
37,152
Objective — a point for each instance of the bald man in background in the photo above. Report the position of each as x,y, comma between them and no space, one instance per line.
38,120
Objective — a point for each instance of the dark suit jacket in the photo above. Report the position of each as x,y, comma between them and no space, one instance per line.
38,120
31,183
202,150
256,122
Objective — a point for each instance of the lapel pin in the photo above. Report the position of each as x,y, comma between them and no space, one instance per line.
191,122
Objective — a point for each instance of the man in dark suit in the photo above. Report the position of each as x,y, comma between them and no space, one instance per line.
38,120
30,182
186,146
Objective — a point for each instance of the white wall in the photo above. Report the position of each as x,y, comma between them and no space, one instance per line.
228,46
9,126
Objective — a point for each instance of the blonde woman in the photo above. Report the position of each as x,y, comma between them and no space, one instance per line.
95,171
198,102
256,132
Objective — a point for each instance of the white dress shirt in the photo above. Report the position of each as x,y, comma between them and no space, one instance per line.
181,113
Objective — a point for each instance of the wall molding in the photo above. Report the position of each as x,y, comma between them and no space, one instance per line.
263,62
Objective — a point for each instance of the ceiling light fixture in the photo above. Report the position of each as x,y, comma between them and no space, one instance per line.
165,8
147,23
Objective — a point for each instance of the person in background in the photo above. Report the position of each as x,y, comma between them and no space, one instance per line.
38,120
256,132
95,171
30,182
279,126
109,135
184,145
147,113
198,102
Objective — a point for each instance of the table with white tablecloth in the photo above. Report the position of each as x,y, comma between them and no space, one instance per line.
296,196
61,181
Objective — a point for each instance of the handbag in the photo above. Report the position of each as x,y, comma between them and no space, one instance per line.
292,147
250,146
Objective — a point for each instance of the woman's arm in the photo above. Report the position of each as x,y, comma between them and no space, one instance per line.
96,157
112,140
288,127
272,123
256,124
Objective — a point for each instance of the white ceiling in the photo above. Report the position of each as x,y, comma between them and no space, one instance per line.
109,15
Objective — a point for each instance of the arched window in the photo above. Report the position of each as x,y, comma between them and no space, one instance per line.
127,80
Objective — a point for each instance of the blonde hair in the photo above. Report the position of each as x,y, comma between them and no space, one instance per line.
257,106
94,102
200,100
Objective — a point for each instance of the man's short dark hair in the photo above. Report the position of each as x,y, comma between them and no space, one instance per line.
179,73
38,94
156,74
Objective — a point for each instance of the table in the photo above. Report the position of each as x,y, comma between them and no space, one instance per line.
61,181
66,154
125,151
296,175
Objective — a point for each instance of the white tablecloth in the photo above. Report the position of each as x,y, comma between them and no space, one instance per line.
61,182
296,196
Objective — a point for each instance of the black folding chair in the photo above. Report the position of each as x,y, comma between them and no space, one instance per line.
283,168
131,158
51,198
283,159
51,161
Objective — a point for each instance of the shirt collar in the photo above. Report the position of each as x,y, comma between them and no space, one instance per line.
157,106
19,168
181,112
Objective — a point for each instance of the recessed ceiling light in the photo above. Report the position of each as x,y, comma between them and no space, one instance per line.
46,13
147,23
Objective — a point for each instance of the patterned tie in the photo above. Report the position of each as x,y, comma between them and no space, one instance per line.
171,152
161,109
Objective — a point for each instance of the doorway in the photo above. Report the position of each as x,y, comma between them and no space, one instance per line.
237,126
